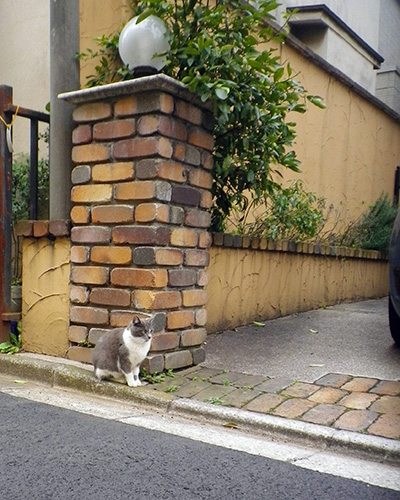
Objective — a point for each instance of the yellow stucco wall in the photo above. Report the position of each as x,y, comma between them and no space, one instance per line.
45,295
350,150
247,285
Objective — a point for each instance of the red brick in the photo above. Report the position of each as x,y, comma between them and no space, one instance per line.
92,112
79,254
78,294
92,193
197,218
77,333
136,190
164,125
144,256
149,212
202,278
125,107
113,130
206,199
90,234
179,152
89,315
80,214
168,257
185,195
82,134
89,275
147,169
59,228
200,178
40,228
201,317
191,298
179,319
182,237
120,318
90,153
193,337
154,363
207,160
142,147
148,102
111,255
24,228
202,139
112,214
205,239
200,258
182,277
172,171
136,235
80,354
164,341
188,112
178,359
146,299
110,297
137,278
112,172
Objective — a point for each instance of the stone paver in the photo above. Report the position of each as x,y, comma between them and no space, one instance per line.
275,384
386,426
328,395
192,388
358,400
206,373
323,414
333,380
359,384
240,397
293,408
265,403
387,404
356,420
387,387
226,378
249,381
214,392
300,390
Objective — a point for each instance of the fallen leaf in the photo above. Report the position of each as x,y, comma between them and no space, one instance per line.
21,382
317,365
313,331
257,323
232,425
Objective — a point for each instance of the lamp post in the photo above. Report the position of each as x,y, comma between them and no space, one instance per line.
142,45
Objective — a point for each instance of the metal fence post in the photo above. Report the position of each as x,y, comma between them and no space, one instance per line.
5,214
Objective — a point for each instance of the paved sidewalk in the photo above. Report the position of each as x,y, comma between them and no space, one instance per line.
358,404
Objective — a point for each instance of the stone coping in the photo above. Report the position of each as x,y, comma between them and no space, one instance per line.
158,82
62,229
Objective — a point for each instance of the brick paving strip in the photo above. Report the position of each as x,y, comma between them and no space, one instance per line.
365,405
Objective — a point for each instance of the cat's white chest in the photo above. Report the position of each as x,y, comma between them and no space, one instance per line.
137,348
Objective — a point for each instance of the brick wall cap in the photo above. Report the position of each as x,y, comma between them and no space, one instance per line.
151,83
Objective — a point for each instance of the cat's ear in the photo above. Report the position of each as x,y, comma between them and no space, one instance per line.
136,321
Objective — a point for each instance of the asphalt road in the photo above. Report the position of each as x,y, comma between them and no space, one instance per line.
50,453
353,339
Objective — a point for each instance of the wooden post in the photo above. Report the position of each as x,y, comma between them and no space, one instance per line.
5,216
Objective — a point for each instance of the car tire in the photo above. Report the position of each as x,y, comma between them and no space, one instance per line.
394,323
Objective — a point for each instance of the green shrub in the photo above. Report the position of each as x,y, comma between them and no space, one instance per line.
20,188
372,230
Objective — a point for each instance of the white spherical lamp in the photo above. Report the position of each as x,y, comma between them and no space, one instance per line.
140,45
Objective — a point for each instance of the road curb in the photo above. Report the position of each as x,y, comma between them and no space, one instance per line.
72,376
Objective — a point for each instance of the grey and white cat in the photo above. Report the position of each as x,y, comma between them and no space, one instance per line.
119,352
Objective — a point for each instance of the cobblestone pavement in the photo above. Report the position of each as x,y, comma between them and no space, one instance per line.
365,405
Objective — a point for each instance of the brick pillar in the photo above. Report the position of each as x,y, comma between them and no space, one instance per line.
142,152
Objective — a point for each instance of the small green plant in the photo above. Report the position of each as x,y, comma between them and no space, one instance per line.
214,401
372,230
155,378
227,382
86,343
12,346
171,388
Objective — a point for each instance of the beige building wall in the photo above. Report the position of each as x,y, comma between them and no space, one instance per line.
25,59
